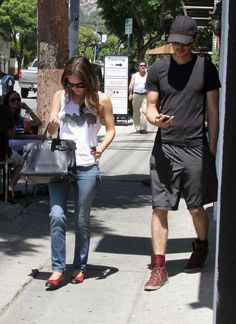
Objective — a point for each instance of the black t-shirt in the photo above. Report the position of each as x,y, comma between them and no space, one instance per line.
6,123
182,90
179,74
6,119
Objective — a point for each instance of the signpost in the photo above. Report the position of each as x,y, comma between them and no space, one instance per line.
128,30
116,83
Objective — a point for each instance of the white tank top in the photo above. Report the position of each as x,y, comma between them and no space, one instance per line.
139,82
81,129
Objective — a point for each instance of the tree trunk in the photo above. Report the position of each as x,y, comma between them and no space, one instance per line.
52,52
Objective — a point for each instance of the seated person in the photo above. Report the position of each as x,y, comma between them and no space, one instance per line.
7,128
13,101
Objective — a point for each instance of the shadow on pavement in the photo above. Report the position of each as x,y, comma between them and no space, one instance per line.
120,192
97,272
33,221
124,191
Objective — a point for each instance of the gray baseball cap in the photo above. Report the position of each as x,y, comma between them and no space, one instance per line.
183,30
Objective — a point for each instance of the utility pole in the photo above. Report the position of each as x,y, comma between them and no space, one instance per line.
52,51
95,46
74,28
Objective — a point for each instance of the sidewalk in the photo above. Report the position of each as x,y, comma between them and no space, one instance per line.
119,255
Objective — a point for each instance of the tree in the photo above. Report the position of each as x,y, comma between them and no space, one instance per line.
151,19
88,39
204,38
111,45
18,19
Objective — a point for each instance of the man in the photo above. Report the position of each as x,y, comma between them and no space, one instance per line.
182,160
137,94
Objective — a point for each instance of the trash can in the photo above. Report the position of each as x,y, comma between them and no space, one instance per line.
7,83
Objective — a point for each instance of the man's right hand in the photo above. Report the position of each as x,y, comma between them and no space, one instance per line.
164,121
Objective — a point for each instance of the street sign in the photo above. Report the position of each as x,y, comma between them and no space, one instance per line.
104,38
128,26
116,82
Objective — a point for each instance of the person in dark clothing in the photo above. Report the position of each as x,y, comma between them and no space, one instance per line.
7,123
179,90
7,130
12,101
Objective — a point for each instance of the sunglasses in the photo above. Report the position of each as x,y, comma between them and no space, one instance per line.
181,44
142,65
15,100
79,85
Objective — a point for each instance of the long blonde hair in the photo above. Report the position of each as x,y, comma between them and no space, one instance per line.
80,67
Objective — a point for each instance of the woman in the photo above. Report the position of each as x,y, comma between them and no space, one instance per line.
78,110
13,101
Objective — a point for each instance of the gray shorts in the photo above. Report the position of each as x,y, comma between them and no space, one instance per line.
187,171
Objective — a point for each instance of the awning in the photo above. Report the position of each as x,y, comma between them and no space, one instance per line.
165,49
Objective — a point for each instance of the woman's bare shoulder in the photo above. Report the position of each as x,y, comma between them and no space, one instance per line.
58,93
103,98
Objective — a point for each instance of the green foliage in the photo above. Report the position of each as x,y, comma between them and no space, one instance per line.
151,19
216,58
204,38
18,21
89,38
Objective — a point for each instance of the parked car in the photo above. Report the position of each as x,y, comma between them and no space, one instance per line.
28,79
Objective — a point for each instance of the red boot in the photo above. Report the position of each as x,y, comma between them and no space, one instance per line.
159,274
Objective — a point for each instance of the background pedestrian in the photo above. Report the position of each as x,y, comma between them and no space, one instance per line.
137,94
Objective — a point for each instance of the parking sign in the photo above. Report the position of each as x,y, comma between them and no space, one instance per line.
116,82
128,26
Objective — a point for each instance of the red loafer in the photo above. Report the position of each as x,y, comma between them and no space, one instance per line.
54,283
79,278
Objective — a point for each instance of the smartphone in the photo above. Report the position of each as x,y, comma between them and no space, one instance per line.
165,118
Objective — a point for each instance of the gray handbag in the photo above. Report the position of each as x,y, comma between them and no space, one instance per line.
50,160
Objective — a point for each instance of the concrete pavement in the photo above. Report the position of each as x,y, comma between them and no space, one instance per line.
119,254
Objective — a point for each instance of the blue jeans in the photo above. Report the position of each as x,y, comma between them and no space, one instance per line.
87,181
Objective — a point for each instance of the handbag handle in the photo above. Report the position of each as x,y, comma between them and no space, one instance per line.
45,133
56,143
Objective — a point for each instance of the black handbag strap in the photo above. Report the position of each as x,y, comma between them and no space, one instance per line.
46,131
